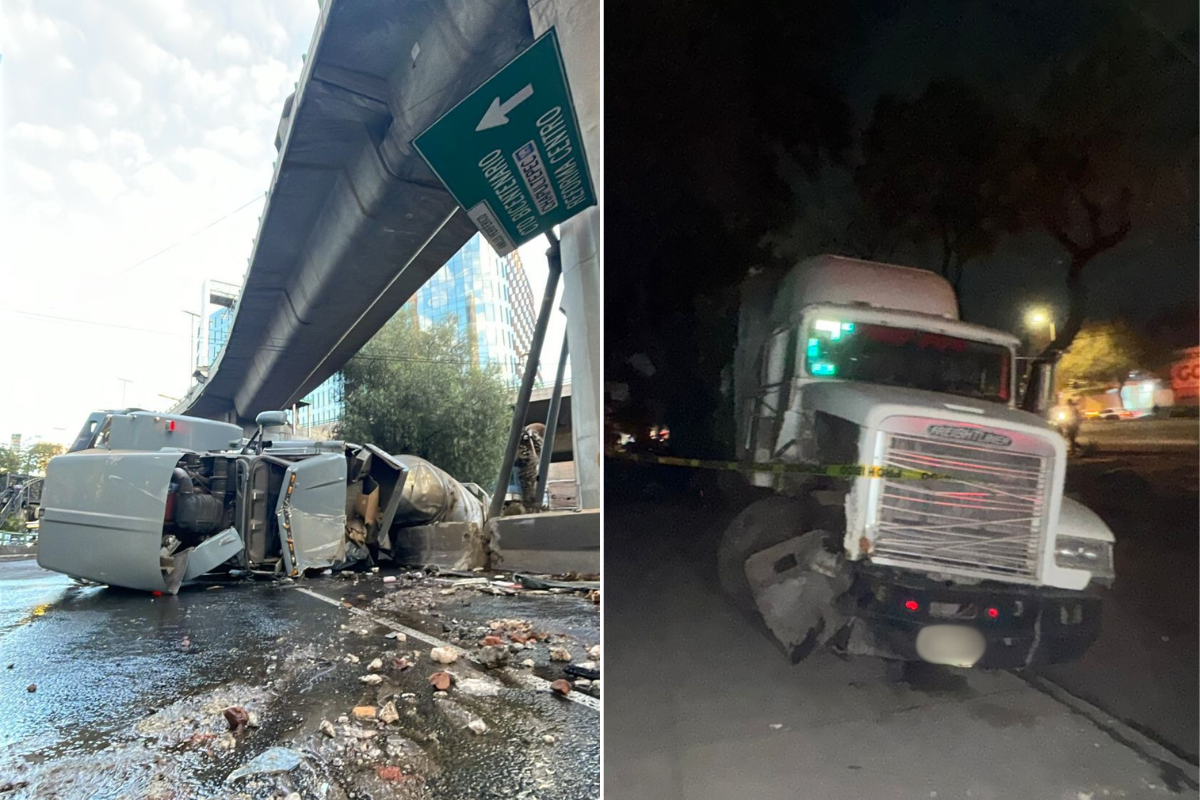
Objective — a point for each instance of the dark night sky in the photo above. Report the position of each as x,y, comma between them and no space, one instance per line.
697,91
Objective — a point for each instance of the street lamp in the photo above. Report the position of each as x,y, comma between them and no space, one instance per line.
1039,317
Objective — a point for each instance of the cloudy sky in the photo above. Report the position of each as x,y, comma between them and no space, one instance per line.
128,127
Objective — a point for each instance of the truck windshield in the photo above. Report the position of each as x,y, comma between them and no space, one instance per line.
916,359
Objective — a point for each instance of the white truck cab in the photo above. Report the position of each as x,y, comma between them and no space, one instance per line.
849,362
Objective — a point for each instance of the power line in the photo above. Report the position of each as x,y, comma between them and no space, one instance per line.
87,322
189,236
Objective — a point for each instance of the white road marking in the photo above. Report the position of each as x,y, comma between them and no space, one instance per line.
524,678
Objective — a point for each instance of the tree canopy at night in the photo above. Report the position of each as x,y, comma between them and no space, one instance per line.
1028,153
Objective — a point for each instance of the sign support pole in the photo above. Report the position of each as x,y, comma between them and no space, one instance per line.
531,367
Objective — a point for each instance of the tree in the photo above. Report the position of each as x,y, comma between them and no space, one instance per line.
1113,146
1106,353
37,456
418,392
936,169
30,460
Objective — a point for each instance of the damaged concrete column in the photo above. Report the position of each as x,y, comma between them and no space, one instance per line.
577,23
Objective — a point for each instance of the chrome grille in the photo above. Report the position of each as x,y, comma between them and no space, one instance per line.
987,517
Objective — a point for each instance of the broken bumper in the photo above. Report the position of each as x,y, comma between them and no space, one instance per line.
1021,626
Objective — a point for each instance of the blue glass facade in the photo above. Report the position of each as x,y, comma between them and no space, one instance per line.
472,289
219,322
325,402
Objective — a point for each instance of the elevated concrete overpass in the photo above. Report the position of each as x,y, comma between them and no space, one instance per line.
355,221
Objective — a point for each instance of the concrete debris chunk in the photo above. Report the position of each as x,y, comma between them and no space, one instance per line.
371,680
375,665
328,729
443,655
594,653
388,713
478,726
269,762
494,657
528,663
548,739
351,658
559,654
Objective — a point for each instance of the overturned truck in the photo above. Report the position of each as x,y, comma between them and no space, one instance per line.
946,536
151,501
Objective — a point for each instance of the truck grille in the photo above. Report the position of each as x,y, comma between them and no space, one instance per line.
987,518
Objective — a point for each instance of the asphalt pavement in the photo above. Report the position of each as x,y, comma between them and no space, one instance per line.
130,689
701,705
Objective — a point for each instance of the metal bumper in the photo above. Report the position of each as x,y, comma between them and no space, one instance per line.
1032,625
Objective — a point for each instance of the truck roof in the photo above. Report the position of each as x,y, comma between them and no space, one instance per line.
850,281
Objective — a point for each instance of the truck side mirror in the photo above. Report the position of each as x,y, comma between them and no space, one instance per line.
1039,391
271,419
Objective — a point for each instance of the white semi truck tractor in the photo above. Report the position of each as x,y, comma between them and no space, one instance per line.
980,561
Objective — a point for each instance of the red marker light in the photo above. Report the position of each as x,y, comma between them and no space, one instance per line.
171,426
911,605
157,594
994,613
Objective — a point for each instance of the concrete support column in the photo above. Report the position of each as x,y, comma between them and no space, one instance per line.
577,23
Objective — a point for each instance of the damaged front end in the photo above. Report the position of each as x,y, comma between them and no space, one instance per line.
809,597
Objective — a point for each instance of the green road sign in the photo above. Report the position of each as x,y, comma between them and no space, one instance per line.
511,153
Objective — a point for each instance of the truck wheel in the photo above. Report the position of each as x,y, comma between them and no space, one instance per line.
761,525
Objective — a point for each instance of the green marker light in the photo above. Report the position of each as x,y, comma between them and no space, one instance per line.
824,368
814,348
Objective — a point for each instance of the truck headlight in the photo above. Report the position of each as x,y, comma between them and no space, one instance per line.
1095,556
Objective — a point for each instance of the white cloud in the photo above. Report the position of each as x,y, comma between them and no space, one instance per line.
243,144
38,134
38,180
85,139
234,46
131,137
100,179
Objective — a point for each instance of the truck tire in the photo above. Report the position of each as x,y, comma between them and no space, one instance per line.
760,525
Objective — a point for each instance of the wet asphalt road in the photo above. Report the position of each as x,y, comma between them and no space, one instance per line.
130,689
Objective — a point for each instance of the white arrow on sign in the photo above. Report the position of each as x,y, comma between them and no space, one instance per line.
497,113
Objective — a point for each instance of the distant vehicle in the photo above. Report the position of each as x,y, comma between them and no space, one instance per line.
151,501
983,562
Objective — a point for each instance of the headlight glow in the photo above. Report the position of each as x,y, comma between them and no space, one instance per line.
1075,553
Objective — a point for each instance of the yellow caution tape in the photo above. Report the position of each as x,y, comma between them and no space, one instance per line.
828,470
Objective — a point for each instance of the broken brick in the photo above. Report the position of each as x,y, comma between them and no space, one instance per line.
237,718
440,681
491,641
561,686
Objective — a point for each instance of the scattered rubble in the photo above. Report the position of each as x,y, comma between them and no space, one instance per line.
561,686
31,687
237,718
388,714
443,655
559,654
441,680
364,712
328,729
375,665
269,762
478,726
494,656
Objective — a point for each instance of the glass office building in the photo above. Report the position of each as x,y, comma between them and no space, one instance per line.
473,288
